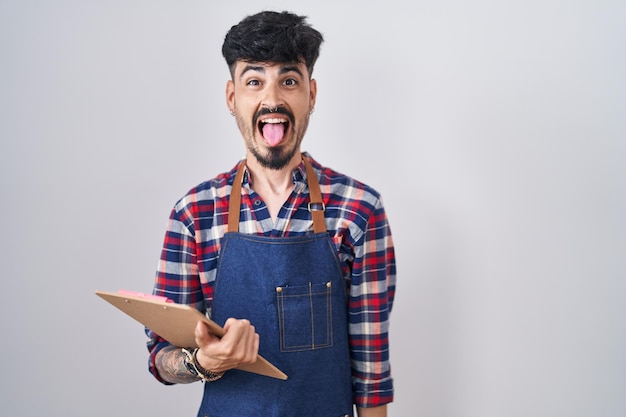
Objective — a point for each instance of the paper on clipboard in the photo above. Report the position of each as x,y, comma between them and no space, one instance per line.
176,324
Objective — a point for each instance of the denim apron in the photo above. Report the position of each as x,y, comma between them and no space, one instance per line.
292,290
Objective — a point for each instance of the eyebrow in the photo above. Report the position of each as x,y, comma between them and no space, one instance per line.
283,70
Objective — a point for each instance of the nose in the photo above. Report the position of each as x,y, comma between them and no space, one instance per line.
272,98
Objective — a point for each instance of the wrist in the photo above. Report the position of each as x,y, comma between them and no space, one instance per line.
194,367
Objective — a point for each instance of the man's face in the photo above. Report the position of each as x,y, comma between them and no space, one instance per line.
272,103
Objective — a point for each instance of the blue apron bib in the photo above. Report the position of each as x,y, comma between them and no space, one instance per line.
292,290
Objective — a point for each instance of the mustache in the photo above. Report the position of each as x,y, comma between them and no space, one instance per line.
277,110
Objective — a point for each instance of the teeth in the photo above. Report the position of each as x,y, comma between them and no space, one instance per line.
274,121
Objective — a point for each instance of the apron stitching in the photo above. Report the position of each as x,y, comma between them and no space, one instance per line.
312,316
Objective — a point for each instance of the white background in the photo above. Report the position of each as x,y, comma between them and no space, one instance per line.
495,131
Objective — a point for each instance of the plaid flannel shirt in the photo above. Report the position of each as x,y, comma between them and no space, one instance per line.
355,220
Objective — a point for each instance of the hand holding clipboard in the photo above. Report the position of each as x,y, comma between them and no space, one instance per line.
176,323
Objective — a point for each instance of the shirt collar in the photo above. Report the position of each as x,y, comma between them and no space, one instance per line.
298,175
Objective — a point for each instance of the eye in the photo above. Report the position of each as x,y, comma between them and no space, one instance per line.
291,81
253,83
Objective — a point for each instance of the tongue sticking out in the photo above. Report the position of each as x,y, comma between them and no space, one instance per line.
273,133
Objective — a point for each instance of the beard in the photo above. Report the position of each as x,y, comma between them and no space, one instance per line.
273,157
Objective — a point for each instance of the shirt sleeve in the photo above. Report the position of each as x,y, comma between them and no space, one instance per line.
372,291
176,276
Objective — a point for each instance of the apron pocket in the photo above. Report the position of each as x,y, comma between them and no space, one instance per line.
305,316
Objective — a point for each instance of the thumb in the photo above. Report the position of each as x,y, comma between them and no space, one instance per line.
203,337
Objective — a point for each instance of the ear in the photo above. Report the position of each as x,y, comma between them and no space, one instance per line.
230,95
313,92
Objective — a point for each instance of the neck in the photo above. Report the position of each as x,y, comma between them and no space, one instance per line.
274,186
267,181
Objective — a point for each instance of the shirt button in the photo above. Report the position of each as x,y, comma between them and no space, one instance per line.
257,202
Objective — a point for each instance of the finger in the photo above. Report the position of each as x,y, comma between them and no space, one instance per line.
235,332
229,323
240,340
248,343
253,348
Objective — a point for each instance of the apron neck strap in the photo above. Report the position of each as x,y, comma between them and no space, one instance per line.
234,205
316,204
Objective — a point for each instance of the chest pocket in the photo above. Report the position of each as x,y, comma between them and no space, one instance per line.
305,316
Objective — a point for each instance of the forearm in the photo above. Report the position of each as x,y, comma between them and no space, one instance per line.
372,412
170,365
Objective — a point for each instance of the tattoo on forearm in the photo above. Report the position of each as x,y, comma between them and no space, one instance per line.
171,366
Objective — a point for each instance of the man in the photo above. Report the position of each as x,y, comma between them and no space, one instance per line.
295,260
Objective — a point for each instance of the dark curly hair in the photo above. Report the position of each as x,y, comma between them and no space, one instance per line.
269,36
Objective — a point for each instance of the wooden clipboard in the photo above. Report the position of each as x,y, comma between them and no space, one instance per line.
176,323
